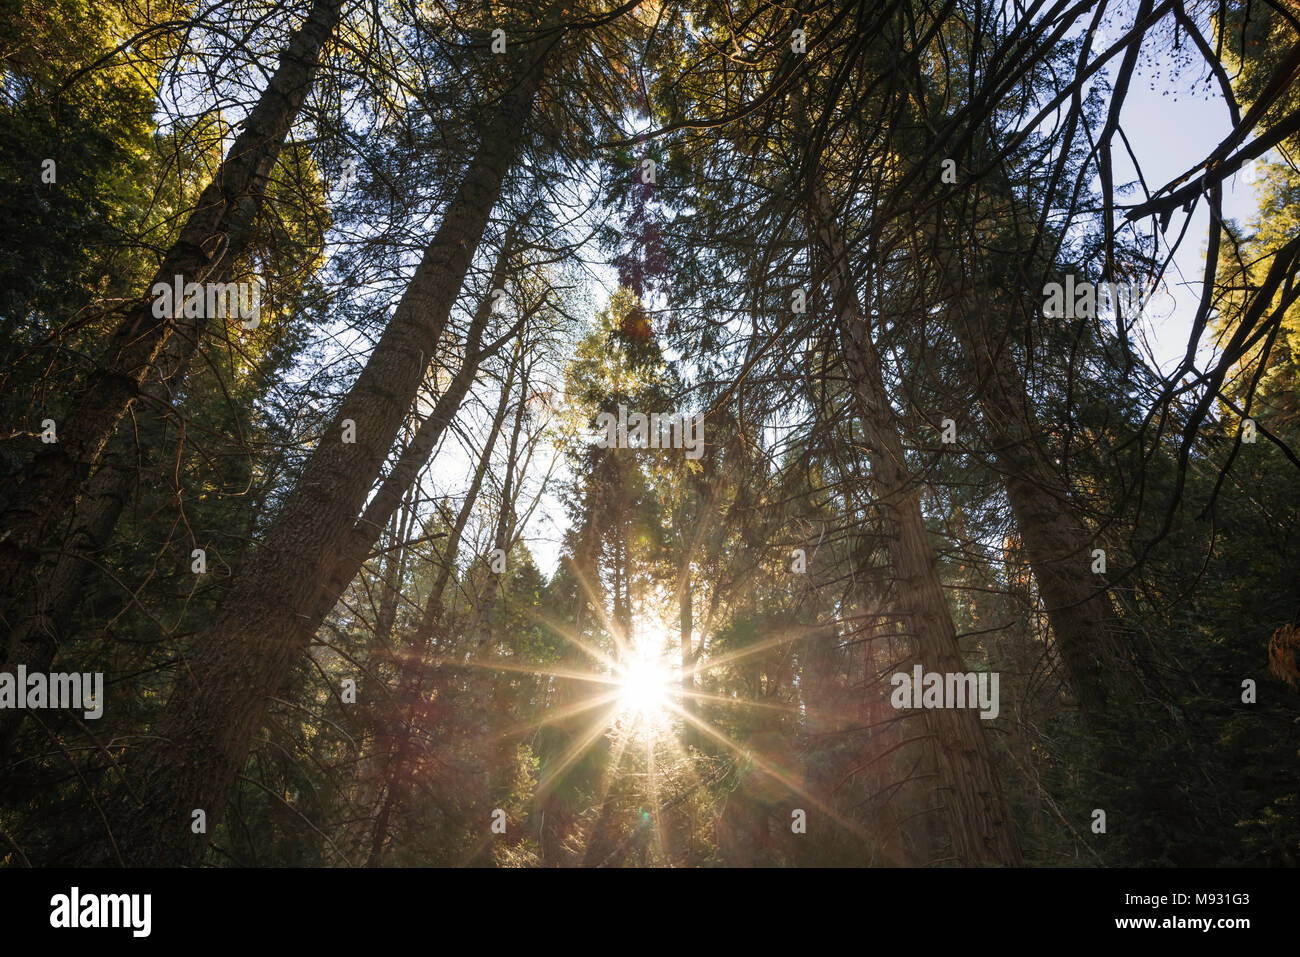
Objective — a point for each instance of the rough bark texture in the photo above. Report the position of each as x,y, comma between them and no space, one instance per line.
384,504
211,238
262,628
979,822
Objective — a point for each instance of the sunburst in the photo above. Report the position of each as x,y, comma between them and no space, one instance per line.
644,684
643,695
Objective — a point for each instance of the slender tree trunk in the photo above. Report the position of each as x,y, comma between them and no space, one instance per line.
411,667
394,569
212,238
203,736
503,537
686,630
1057,541
43,615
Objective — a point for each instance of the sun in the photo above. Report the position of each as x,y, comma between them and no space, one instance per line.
643,684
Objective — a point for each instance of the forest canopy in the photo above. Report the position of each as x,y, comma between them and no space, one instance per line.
587,433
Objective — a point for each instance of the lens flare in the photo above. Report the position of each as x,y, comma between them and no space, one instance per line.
643,686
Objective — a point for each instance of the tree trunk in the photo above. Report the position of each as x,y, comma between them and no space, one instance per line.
503,537
42,616
214,235
356,548
394,568
1056,537
978,819
1057,542
203,736
410,667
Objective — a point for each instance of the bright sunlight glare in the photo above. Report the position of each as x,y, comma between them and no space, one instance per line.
643,686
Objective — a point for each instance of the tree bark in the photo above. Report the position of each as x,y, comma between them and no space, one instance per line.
215,233
355,549
203,736
979,822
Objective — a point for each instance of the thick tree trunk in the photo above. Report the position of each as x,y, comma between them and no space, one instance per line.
356,548
203,736
1056,538
979,822
978,819
213,236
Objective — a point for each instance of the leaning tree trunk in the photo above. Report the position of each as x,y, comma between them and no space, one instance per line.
1056,539
978,819
202,738
216,232
401,478
43,616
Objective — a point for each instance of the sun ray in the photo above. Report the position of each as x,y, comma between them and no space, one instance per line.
607,781
563,714
740,654
576,750
655,817
747,703
597,603
642,691
591,651
776,773
803,710
507,665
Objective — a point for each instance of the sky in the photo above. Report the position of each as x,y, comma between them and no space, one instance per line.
1170,133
